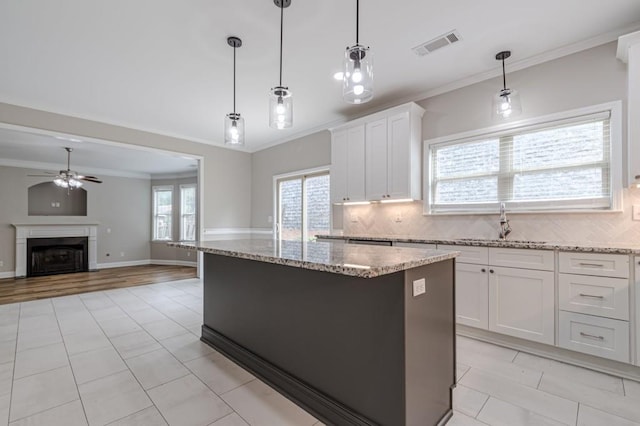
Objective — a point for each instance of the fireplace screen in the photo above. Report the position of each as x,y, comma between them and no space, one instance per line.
49,256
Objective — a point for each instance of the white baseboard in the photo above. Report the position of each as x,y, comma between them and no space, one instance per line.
8,274
123,264
173,262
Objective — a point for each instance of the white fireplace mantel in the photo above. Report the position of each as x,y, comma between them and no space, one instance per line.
26,231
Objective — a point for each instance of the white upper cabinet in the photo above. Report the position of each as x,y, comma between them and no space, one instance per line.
629,52
347,164
390,161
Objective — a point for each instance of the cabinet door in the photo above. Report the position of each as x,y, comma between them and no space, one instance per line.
398,157
355,163
339,167
376,156
472,295
521,303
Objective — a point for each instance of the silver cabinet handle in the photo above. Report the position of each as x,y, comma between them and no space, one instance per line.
591,336
591,296
483,270
595,265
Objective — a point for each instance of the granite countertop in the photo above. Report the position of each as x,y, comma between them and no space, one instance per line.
612,248
345,259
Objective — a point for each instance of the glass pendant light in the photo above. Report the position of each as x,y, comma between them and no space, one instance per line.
280,97
357,77
233,122
506,103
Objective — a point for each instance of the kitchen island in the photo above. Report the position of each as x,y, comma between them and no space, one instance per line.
354,334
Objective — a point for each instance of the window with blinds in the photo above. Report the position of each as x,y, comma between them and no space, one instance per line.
559,165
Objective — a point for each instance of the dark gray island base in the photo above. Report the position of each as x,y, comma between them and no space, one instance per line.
348,349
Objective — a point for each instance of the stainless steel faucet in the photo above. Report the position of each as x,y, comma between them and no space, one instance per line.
505,229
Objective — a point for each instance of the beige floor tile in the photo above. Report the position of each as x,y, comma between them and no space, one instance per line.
6,378
135,344
460,419
501,368
118,326
76,321
5,403
186,347
557,408
7,351
573,373
44,322
164,329
588,416
500,413
85,341
111,312
260,405
156,368
95,302
186,401
468,401
230,420
37,338
147,417
38,360
147,315
70,414
219,373
35,308
39,392
632,388
92,365
112,398
597,398
461,369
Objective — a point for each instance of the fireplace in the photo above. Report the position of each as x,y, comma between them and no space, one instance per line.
49,256
40,232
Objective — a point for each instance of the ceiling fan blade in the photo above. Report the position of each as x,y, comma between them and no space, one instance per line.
89,179
47,176
86,176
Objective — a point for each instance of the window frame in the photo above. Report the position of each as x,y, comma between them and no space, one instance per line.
532,124
194,214
154,214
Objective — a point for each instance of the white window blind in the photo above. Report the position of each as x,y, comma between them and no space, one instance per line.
162,212
188,212
551,166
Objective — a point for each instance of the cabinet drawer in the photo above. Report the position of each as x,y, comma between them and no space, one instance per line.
415,245
468,254
522,258
601,296
598,336
602,264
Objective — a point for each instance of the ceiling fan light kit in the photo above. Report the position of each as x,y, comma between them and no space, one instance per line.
69,179
280,97
506,103
233,122
357,76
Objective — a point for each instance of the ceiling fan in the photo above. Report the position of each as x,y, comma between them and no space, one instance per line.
68,178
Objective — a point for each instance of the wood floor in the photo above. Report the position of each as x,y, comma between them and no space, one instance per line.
23,289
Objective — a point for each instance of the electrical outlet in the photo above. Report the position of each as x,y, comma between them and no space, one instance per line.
419,287
1,263
398,217
269,219
354,217
188,254
121,254
636,212
108,230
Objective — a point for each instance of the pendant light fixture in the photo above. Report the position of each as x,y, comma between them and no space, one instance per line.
506,103
357,77
280,97
233,122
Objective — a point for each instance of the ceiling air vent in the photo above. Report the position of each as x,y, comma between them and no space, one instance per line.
437,43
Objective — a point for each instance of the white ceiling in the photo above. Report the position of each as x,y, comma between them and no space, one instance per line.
165,66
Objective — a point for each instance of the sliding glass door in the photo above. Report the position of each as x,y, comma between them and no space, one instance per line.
304,207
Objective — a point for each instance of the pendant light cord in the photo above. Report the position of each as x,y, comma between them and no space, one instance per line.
281,30
234,80
357,22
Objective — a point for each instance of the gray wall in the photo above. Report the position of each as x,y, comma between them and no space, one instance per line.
159,249
227,174
299,154
121,205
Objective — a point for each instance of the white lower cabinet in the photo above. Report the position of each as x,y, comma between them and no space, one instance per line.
521,303
604,337
472,295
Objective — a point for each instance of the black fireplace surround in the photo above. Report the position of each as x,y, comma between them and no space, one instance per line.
50,256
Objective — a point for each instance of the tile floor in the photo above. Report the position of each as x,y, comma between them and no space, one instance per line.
133,357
